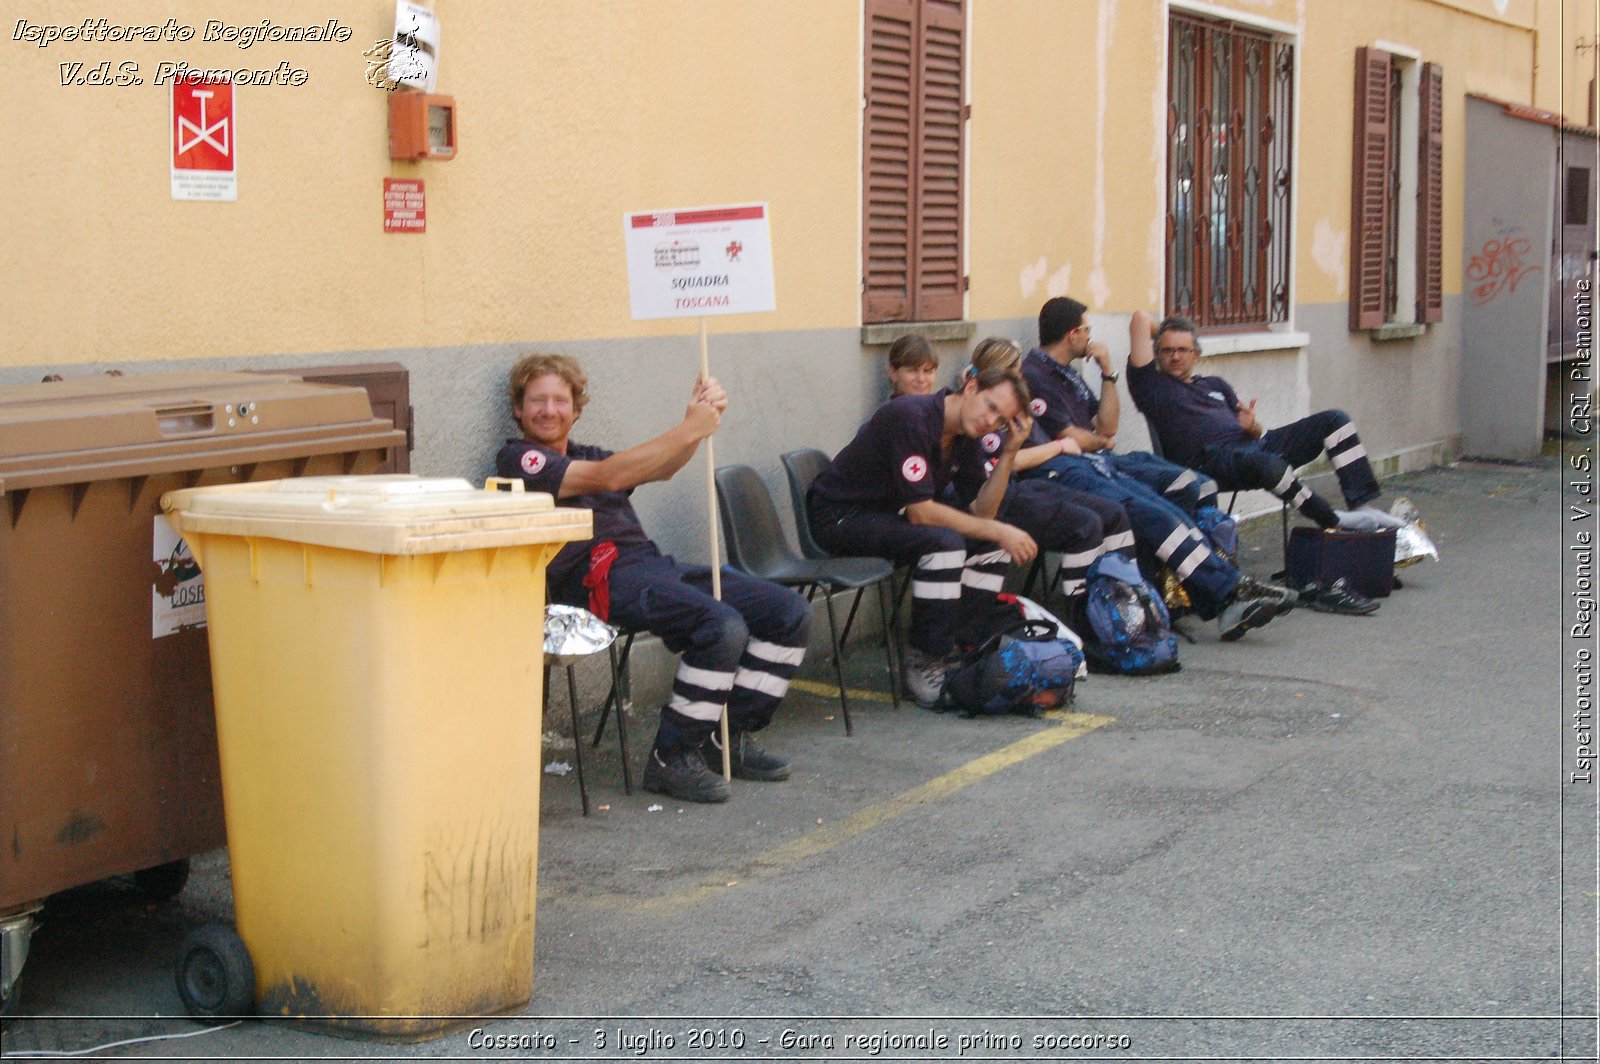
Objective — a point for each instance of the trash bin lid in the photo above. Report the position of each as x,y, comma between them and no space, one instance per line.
384,514
103,428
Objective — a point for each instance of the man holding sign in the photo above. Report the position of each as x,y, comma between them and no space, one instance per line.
738,653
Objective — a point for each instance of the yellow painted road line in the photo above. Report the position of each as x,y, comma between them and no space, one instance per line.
1066,726
828,690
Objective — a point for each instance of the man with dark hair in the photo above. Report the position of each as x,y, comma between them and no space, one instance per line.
1150,490
881,496
1201,423
1064,406
738,653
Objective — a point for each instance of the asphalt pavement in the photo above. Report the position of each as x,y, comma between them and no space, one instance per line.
1339,838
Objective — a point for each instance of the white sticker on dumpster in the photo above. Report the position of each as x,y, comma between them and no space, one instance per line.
178,596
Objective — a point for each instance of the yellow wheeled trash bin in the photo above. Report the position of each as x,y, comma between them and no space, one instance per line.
375,654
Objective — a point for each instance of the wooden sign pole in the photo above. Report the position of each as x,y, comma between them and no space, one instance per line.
712,525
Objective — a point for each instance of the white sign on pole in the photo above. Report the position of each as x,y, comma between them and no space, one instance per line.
698,262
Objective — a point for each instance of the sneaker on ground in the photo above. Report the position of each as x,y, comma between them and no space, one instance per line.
746,760
1242,614
1283,599
1340,597
683,774
924,677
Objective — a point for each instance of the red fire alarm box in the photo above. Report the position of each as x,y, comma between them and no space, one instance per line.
421,126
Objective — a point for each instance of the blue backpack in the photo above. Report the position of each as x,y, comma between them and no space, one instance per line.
1131,631
1027,670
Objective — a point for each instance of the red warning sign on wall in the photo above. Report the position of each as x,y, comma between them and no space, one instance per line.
405,206
204,141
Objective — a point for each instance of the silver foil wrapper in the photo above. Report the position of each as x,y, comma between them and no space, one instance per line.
1411,542
571,632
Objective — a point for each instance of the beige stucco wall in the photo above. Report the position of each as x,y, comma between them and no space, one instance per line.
1569,59
570,114
1479,54
573,112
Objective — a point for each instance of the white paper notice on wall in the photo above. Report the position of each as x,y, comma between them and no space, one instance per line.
699,261
178,596
414,60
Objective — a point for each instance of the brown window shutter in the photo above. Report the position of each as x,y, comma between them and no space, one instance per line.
1430,195
888,157
938,279
1369,206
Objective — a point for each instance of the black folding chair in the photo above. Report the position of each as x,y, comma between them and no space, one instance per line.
802,467
757,547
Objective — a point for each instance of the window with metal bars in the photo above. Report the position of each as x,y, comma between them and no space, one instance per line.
913,130
1230,107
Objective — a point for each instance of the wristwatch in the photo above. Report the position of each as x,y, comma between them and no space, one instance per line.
1112,377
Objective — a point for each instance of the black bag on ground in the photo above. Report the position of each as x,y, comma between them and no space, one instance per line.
1323,555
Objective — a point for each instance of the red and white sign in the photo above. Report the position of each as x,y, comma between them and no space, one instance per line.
914,468
1038,407
532,462
204,141
701,261
405,208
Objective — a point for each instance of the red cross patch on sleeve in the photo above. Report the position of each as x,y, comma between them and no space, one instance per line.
914,468
532,461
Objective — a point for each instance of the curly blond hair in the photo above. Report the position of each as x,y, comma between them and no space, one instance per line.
531,367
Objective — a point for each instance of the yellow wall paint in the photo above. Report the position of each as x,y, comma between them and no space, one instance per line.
1569,59
571,113
1477,54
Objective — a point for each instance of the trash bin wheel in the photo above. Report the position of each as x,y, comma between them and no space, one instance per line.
215,975
164,880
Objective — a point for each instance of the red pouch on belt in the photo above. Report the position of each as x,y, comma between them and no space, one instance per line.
598,580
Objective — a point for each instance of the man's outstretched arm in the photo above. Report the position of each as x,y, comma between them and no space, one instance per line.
656,459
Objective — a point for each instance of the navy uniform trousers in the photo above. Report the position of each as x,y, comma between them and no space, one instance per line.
1163,533
1075,524
1270,463
740,652
946,566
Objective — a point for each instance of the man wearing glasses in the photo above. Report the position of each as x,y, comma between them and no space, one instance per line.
1161,499
1201,424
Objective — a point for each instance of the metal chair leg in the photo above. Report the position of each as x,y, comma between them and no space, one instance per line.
1285,541
622,729
577,739
838,661
891,644
850,618
620,694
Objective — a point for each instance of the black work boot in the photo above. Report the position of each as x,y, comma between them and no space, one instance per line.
747,760
683,774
